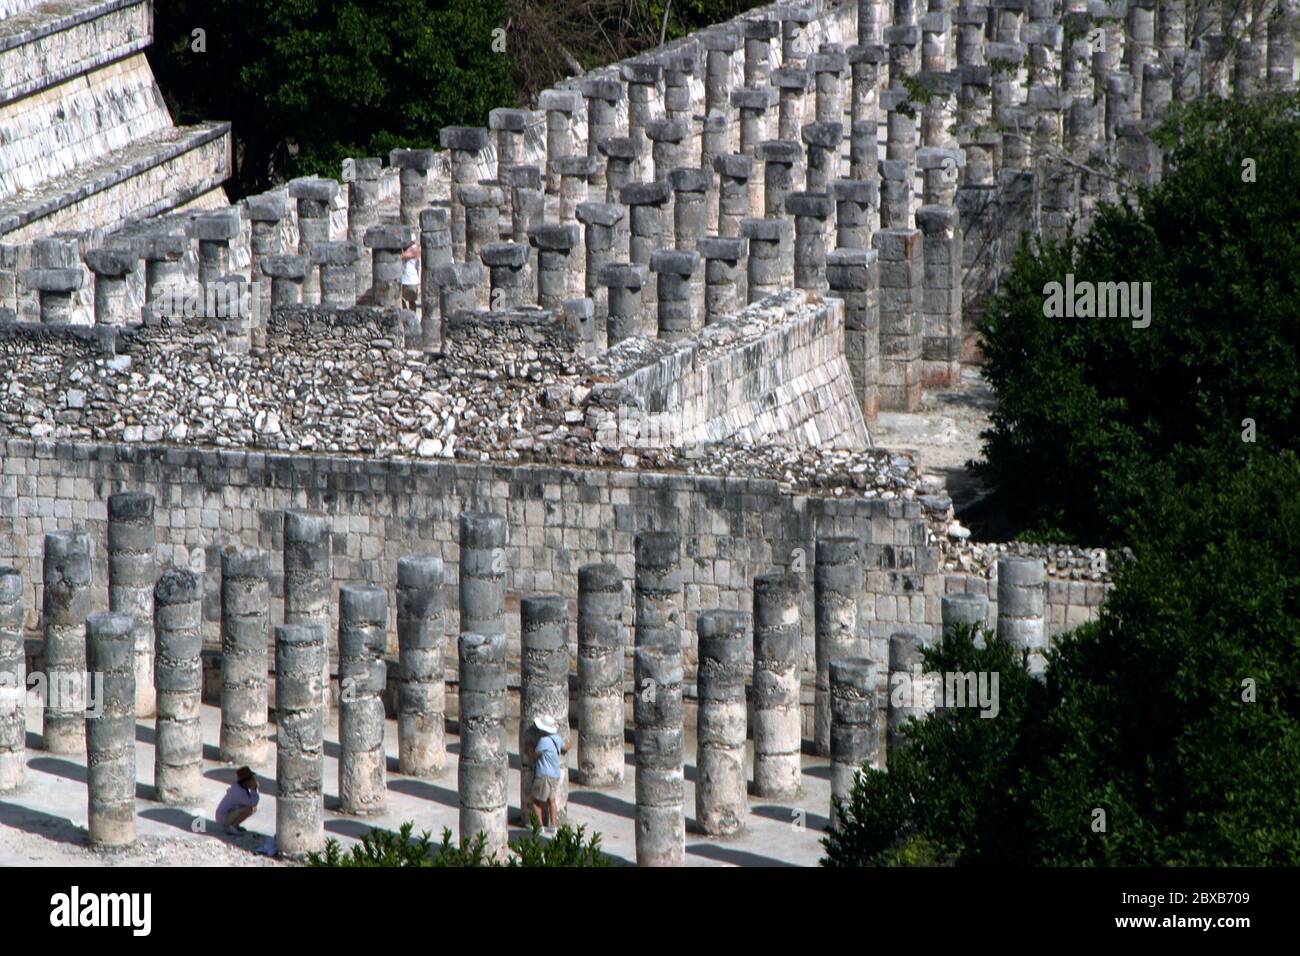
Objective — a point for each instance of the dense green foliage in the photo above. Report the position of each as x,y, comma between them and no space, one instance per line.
1090,408
384,848
1177,713
307,83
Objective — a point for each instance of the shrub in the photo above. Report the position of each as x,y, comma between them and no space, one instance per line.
384,848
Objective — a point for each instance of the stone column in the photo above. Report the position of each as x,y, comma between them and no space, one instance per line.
54,289
941,323
657,712
362,176
724,276
715,141
853,275
759,35
828,69
779,159
178,674
543,688
435,252
864,133
770,268
620,159
510,125
721,800
314,197
1157,92
791,86
421,731
903,40
963,609
363,626
287,275
506,262
734,174
459,285
523,187
300,658
676,271
659,610
464,143
856,216
841,630
602,120
853,735
131,582
678,71
266,213
667,149
1139,45
753,104
810,211
560,107
645,202
901,290
601,643
872,15
905,690
1022,594
415,166
624,283
555,244
214,231
484,759
482,573
308,571
110,732
691,188
245,613
720,43
823,143
601,221
387,243
775,695
338,273
164,272
482,205
111,268
13,682
1281,46
936,35
66,577
795,43
642,77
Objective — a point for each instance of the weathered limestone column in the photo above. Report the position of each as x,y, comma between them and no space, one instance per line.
853,275
856,216
509,125
338,272
841,632
601,642
770,268
657,712
620,159
810,210
791,87
387,243
110,732
692,189
13,682
602,121
415,166
941,325
287,275
560,107
484,758
734,175
962,609
543,688
940,113
245,614
624,283
1022,594
827,69
214,231
645,202
936,37
265,214
464,143
482,206
66,576
853,734
940,169
779,159
111,268
905,689
482,573
719,43
641,77
667,151
435,252
421,725
1281,45
658,582
758,37
527,208
506,262
1139,45
178,674
300,658
676,271
362,176
1157,92
715,141
721,800
678,70
164,270
872,16
54,289
308,570
555,243
314,197
752,104
775,693
601,221
724,276
865,61
901,291
795,42
903,40
363,626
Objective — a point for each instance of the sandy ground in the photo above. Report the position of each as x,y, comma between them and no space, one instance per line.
43,823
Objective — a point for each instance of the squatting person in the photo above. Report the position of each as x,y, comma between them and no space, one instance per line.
239,803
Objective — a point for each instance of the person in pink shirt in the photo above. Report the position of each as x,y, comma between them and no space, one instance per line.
239,803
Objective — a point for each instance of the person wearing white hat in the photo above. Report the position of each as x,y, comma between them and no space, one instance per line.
547,769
